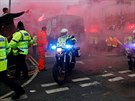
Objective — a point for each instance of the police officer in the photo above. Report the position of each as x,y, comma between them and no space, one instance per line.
64,38
130,40
4,51
19,43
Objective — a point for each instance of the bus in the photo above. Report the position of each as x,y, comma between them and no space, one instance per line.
74,24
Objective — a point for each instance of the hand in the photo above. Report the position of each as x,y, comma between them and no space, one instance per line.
27,11
34,38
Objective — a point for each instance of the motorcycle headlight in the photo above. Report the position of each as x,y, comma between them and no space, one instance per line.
53,47
68,46
133,45
59,50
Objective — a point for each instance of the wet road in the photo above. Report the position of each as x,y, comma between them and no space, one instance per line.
96,78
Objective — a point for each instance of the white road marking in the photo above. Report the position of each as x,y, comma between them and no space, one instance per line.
32,91
89,84
48,84
132,75
80,79
124,71
81,62
115,79
106,75
56,90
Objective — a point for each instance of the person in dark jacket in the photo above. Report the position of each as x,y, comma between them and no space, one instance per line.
7,22
7,27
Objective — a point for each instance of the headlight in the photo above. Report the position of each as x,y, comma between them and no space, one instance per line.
69,46
133,45
53,47
59,50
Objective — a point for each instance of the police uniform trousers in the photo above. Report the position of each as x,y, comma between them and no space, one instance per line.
10,83
21,66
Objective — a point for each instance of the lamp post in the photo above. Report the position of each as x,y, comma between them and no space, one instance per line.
9,5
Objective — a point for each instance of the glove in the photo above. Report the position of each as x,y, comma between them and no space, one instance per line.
34,39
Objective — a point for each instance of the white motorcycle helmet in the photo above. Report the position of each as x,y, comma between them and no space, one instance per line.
133,32
63,31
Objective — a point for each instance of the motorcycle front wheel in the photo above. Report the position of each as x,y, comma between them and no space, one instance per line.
59,74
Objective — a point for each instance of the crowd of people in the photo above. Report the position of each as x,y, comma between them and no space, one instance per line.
18,44
14,45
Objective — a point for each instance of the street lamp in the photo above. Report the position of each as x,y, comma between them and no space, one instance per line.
9,5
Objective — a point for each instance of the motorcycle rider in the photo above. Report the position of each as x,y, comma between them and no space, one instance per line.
130,40
64,38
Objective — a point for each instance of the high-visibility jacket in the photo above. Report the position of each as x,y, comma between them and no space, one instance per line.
20,42
128,40
42,38
109,41
63,39
115,42
4,50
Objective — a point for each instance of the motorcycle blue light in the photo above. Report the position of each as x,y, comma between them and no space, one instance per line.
53,47
134,45
68,46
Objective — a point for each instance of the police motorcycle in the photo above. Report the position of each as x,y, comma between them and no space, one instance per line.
130,53
65,61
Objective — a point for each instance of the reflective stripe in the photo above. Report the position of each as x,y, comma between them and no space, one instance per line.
14,40
2,47
1,39
23,48
3,59
23,40
7,47
25,34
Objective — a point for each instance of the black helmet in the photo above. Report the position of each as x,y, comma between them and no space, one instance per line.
20,25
